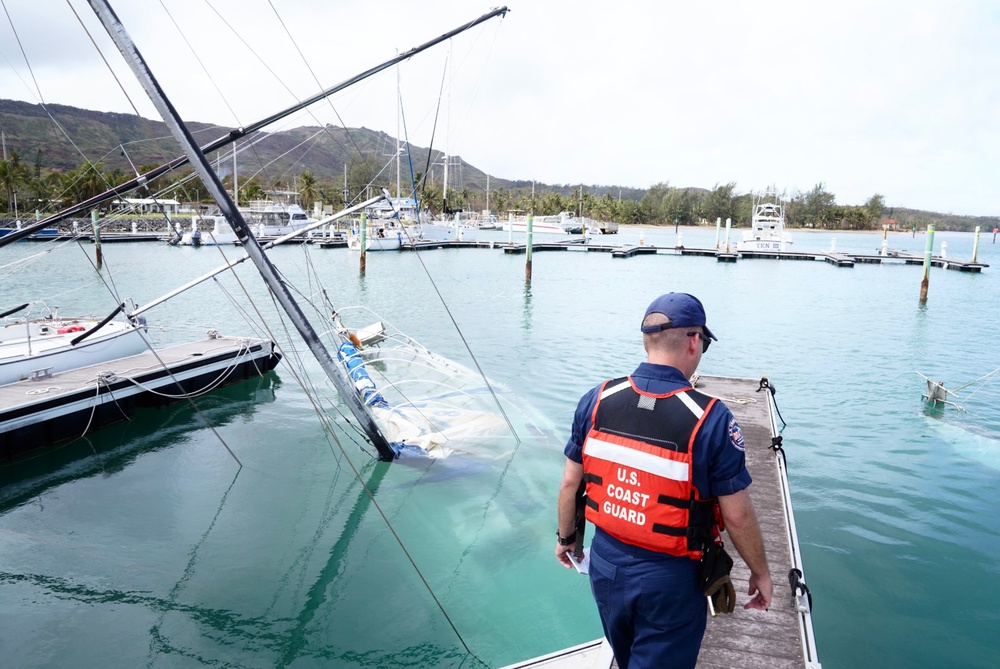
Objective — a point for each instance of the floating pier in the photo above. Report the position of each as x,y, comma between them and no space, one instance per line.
781,638
49,409
836,258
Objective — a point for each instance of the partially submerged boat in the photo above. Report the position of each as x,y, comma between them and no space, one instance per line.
767,226
425,404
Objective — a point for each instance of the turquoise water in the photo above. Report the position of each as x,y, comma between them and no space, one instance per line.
145,544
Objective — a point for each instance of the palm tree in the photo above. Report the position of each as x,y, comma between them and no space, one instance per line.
307,187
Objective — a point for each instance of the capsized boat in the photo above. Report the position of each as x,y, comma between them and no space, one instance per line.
767,226
40,342
424,403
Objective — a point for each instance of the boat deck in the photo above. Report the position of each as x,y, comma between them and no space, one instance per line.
781,638
49,409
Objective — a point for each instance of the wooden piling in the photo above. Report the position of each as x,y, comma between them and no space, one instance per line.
928,248
363,232
527,263
97,238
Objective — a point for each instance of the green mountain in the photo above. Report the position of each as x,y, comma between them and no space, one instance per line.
72,136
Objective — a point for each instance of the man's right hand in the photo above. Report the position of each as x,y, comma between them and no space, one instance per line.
562,554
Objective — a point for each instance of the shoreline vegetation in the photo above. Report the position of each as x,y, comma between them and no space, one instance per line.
39,172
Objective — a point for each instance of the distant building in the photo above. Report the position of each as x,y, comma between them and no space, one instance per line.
142,205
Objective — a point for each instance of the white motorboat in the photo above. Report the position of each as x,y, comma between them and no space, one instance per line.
34,347
273,219
767,226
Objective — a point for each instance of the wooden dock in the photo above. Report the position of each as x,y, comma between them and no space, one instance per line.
781,638
49,409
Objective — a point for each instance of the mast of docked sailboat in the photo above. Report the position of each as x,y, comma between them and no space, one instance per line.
211,180
233,136
447,115
399,103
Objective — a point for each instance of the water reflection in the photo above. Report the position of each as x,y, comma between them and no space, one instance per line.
114,448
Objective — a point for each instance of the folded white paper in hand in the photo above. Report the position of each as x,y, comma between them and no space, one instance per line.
582,566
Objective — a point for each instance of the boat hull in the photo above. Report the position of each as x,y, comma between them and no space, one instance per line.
53,352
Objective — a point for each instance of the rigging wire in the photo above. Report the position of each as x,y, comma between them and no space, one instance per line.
444,303
388,523
285,86
315,78
112,289
173,378
200,63
106,63
21,47
38,90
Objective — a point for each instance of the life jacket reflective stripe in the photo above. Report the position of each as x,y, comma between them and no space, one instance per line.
638,469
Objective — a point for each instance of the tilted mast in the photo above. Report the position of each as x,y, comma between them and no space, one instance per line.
239,133
211,180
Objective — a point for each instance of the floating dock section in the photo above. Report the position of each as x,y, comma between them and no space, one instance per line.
781,638
40,412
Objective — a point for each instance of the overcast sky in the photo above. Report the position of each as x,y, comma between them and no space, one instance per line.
897,97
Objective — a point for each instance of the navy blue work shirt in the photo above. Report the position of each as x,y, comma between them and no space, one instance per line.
719,458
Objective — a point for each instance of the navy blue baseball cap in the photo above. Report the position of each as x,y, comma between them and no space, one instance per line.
683,310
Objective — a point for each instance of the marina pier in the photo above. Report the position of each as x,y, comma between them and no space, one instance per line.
48,409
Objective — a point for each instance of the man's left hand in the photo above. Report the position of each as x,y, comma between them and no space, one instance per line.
762,586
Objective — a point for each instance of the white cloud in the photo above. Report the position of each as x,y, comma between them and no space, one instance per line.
889,96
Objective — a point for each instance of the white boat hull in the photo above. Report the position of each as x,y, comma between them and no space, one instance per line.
536,228
49,351
764,245
390,242
439,232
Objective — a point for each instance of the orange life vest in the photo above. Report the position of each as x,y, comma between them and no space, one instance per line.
638,469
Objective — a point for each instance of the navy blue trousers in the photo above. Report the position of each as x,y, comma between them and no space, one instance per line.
652,610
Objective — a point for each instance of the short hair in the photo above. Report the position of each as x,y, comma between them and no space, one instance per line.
671,339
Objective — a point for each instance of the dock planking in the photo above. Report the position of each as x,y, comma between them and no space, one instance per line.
780,638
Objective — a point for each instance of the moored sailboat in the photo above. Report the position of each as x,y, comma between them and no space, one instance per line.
36,346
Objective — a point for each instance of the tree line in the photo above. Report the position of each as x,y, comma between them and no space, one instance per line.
29,187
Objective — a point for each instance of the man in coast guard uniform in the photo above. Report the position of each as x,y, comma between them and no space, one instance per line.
662,465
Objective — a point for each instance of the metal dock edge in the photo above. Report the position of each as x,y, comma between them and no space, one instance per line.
782,637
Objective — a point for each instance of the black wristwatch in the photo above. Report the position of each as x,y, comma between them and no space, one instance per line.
566,541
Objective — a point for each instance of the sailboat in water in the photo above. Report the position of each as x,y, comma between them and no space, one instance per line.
353,387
